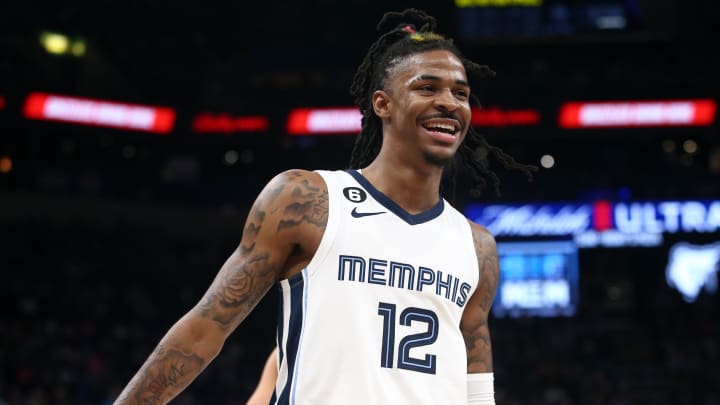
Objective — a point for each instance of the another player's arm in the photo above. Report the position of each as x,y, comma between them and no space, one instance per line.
268,379
474,323
292,205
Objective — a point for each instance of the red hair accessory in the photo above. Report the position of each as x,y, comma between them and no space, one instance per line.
409,29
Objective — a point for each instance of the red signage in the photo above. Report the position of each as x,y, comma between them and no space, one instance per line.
346,120
2,102
324,121
206,123
497,117
637,113
85,111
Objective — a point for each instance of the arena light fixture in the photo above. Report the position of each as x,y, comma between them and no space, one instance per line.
60,44
103,113
78,48
6,164
54,42
547,161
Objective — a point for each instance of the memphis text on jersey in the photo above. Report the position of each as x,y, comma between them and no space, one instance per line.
402,275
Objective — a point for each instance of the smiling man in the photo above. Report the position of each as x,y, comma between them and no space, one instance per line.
384,287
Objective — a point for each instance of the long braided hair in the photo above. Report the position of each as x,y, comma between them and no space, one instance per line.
406,33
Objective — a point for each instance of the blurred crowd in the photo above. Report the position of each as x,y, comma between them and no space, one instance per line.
85,304
85,307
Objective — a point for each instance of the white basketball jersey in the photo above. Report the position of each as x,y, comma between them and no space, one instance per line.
375,316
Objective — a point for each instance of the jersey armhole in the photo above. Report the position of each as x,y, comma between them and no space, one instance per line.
475,259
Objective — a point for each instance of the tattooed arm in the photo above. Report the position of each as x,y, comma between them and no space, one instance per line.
474,323
282,232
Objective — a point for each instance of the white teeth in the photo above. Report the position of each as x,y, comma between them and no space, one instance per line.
444,127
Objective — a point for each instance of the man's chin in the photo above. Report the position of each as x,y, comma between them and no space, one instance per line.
437,159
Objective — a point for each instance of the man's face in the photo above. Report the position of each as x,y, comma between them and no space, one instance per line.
429,107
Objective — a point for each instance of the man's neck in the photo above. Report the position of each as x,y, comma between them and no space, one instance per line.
416,188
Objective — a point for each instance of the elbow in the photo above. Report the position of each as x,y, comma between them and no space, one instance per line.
198,334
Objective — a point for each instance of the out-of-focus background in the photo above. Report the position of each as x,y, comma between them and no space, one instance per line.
134,137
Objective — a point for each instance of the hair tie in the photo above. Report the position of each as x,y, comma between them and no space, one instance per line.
409,29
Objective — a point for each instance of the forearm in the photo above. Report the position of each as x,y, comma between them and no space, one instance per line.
182,354
479,349
474,324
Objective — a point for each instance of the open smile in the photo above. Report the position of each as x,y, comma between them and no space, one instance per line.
445,130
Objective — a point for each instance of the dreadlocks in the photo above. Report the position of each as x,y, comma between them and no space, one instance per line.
406,33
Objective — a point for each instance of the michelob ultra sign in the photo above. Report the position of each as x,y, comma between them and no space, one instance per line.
573,219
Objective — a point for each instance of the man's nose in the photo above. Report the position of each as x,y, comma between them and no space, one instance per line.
446,100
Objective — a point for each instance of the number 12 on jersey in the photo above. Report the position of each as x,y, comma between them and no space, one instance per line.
407,317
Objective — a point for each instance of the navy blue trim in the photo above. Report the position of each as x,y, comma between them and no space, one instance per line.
412,219
280,324
294,331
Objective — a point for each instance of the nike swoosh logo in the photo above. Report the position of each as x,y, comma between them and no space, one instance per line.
356,214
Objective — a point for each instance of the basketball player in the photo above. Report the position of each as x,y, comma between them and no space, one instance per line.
384,287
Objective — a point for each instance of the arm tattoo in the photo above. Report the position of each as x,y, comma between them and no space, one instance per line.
476,332
237,290
163,376
310,205
478,346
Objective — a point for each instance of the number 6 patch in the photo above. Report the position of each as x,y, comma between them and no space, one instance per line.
354,194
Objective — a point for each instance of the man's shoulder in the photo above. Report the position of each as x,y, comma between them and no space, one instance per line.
297,186
291,183
481,236
298,176
293,199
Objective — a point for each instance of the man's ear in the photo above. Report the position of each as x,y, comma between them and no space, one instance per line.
381,104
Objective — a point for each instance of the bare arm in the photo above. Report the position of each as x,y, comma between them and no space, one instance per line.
284,220
268,379
474,323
